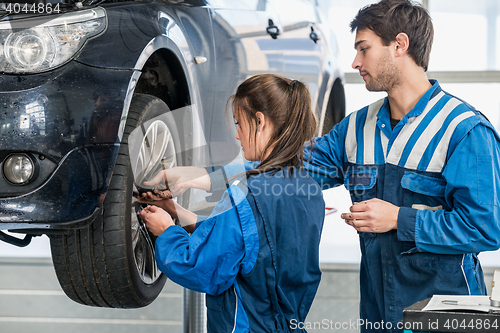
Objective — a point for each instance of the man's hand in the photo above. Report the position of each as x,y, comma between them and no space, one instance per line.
373,215
156,219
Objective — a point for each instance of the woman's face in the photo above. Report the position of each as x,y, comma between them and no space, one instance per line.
243,135
253,144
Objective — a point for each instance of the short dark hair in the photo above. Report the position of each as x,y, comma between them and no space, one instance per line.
388,18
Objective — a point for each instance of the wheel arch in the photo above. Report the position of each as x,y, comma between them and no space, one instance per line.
332,78
161,61
164,70
163,76
335,109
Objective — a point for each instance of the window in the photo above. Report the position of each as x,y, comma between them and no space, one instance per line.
466,36
35,118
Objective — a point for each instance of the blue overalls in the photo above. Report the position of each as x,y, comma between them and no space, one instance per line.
256,256
440,164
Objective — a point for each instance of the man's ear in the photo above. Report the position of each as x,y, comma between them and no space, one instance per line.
402,43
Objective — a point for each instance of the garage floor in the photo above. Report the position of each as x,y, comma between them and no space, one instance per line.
31,301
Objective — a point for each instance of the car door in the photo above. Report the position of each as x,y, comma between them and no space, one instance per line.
301,41
243,48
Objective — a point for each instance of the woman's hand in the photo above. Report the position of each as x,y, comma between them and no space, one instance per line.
156,219
155,197
169,205
176,181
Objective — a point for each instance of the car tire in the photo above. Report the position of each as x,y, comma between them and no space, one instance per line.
111,262
335,110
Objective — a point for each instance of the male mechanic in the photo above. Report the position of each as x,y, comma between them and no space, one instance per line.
422,168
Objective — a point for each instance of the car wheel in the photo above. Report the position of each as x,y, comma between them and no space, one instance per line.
111,263
335,110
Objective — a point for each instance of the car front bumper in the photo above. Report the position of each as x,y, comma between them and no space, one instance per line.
73,134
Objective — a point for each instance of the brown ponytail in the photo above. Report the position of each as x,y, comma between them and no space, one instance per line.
287,103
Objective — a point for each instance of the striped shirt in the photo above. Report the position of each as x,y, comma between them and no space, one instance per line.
441,166
420,144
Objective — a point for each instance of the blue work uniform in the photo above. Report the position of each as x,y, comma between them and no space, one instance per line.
440,164
256,256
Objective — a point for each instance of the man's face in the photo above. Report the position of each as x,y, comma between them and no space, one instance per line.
375,61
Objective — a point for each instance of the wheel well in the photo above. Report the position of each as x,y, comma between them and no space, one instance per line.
162,76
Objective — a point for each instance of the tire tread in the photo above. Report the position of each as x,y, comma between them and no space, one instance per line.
91,263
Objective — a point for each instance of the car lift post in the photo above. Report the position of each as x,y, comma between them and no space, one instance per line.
194,319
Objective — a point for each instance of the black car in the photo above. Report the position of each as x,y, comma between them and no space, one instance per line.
96,96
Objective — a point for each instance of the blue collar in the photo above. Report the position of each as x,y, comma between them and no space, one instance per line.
384,114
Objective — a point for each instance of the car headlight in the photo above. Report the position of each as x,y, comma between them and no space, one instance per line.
50,44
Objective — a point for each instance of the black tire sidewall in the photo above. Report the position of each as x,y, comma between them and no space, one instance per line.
335,110
154,108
